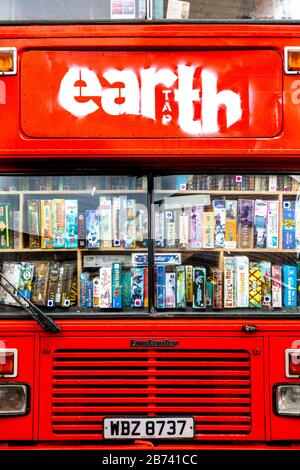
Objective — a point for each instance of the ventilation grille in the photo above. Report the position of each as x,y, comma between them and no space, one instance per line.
213,386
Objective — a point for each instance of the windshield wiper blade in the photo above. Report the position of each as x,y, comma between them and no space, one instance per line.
40,317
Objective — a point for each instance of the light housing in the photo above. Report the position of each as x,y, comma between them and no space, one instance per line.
8,61
292,363
8,362
292,60
287,399
14,399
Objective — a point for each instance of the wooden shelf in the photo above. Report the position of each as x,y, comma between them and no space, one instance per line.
79,192
222,192
226,250
50,250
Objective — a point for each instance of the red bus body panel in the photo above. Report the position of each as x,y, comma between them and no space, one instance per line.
265,137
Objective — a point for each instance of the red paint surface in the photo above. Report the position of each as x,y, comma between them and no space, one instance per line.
278,149
240,73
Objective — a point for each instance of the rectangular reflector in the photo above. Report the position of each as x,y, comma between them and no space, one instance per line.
292,60
8,362
8,61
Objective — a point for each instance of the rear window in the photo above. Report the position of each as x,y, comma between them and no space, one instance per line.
157,10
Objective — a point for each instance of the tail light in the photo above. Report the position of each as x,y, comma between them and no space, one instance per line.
8,60
292,60
292,363
8,362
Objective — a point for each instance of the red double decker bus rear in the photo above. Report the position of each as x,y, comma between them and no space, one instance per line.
149,224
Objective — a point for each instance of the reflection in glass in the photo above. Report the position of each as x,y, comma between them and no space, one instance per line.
68,10
229,10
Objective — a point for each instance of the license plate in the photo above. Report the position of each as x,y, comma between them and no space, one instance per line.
145,428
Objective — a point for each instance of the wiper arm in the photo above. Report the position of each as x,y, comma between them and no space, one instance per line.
40,317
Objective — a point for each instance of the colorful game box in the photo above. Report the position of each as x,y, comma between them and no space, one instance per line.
199,279
217,281
93,227
231,224
58,223
197,227
260,223
289,284
266,287
272,224
276,286
170,290
71,223
242,281
105,222
137,287
46,223
160,286
229,282
189,279
220,220
105,288
96,292
208,230
33,223
254,285
180,287
245,223
40,282
288,225
116,285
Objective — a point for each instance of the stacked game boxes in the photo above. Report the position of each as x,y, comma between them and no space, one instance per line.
50,284
114,288
240,284
259,284
9,226
60,223
227,223
257,183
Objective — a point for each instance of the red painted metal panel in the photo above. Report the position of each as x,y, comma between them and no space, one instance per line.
159,95
217,380
19,427
282,427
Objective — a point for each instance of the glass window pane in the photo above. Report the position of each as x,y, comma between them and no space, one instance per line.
227,243
68,10
227,10
69,243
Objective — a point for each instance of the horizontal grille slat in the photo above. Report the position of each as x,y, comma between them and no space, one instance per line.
145,382
213,386
121,391
98,419
158,400
149,373
124,364
136,354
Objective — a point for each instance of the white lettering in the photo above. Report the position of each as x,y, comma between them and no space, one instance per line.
167,107
166,93
121,100
185,96
296,93
76,86
80,87
166,118
212,100
150,78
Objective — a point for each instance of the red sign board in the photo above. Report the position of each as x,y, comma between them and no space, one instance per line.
151,94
